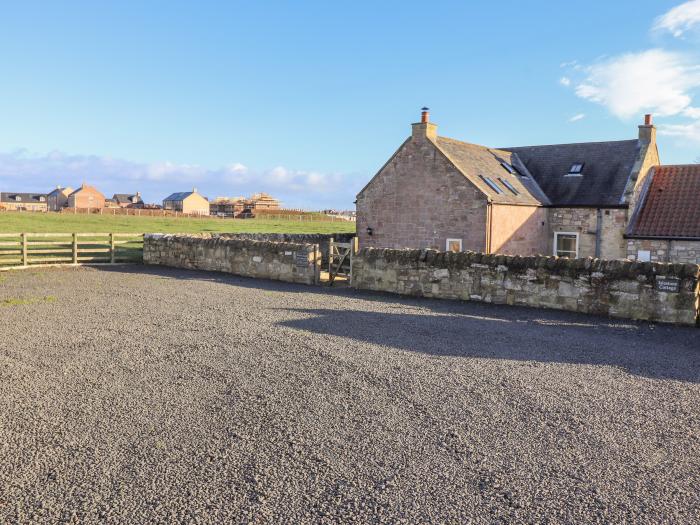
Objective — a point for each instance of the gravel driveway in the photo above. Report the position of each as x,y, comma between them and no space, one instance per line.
150,395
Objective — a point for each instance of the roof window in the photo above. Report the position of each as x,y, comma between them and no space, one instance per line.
510,169
492,184
509,186
575,169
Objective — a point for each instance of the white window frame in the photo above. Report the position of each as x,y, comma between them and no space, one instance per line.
556,234
448,241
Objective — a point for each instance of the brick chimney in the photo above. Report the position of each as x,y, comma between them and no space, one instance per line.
424,128
647,131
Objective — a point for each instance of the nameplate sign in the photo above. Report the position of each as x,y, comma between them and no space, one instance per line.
302,259
668,284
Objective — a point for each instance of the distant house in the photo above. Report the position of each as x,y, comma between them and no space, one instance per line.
86,197
665,226
187,202
128,200
23,201
58,198
111,203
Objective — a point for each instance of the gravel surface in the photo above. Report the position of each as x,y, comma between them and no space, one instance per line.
151,395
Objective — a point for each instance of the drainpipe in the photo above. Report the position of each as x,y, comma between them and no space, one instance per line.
598,230
489,225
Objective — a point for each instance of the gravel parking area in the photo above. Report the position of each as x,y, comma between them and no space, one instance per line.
151,395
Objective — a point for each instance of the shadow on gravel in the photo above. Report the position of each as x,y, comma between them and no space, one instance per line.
546,337
467,329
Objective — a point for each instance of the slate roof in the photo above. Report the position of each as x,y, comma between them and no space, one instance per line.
126,197
31,198
669,205
607,168
475,162
178,196
66,191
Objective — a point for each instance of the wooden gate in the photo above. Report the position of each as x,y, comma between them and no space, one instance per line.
340,259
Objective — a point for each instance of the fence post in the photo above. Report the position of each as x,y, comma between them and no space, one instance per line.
75,248
111,248
24,249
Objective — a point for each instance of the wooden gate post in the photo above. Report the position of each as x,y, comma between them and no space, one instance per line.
75,248
24,249
111,248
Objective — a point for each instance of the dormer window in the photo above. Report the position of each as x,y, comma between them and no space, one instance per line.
18,198
575,169
42,199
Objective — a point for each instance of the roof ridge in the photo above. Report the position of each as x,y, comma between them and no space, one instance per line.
568,144
473,144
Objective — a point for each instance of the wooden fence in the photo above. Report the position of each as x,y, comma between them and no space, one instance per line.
22,250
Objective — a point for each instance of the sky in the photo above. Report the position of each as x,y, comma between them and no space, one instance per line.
306,100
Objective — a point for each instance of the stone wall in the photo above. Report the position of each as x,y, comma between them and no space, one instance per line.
617,288
322,239
665,250
583,221
291,262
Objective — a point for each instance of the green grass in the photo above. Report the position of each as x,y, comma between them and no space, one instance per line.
18,301
11,222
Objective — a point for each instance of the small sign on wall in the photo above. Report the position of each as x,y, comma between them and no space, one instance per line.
302,259
668,284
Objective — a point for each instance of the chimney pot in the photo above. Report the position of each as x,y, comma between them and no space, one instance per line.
425,115
648,119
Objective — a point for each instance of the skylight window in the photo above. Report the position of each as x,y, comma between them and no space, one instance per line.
510,169
509,186
492,184
576,169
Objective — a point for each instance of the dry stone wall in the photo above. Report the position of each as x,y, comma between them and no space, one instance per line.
321,239
291,262
617,288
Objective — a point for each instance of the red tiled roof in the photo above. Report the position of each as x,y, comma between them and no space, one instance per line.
671,206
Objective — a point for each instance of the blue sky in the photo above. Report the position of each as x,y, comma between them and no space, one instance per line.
306,100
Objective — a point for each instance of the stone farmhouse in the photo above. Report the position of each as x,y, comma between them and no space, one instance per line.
571,200
23,201
187,202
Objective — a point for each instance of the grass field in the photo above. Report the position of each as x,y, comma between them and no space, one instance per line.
11,222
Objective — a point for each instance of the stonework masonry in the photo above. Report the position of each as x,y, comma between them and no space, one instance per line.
290,262
660,292
665,250
420,199
322,239
583,221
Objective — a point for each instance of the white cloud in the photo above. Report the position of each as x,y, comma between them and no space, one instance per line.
565,81
655,81
690,132
22,171
680,19
577,117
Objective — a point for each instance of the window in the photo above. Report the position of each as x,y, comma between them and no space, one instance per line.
510,169
566,244
644,255
492,184
454,245
509,186
42,199
18,198
575,169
